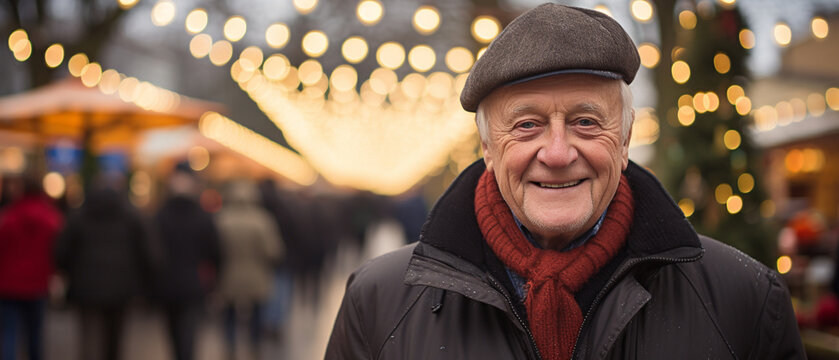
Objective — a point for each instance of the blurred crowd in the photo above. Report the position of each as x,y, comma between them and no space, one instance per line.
241,257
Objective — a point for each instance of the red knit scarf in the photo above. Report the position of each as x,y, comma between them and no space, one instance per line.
552,276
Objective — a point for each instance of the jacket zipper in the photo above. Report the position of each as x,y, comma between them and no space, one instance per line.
526,328
614,279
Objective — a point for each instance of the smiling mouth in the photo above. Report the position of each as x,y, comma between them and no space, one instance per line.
559,186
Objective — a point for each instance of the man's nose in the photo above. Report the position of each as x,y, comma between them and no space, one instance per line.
557,151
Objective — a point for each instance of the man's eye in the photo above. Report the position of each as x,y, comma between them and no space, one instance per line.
586,122
527,125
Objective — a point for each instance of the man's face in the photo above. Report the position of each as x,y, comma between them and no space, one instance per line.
556,149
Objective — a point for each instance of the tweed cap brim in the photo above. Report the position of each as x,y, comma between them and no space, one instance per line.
548,40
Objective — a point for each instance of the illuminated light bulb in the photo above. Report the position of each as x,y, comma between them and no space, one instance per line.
603,9
783,34
235,28
254,57
110,81
731,139
485,28
127,4
200,45
354,49
734,204
832,98
650,55
747,39
383,80
163,13
343,78
722,63
459,59
310,72
687,19
221,52
819,27
422,58
198,157
390,55
54,185
196,21
128,89
680,71
746,183
54,55
305,6
426,20
816,104
743,105
76,64
315,43
276,67
369,12
641,10
277,35
722,192
686,115
687,207
784,264
733,93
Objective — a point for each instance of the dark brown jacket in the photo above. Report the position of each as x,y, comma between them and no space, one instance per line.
668,294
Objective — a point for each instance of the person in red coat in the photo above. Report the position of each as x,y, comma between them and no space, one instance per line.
28,227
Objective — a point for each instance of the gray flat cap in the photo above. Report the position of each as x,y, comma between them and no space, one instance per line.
548,40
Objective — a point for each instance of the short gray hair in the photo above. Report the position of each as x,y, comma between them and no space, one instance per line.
628,118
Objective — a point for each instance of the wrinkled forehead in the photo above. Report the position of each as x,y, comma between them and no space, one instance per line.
581,91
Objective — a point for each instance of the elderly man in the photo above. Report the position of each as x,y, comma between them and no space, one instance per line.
556,246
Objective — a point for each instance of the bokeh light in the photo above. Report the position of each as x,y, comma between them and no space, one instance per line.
200,45
832,98
641,10
680,71
276,67
221,52
54,55
819,27
603,9
426,20
390,55
650,55
422,58
746,183
91,74
782,33
315,43
196,21
459,59
277,35
110,81
686,115
722,192
687,19
343,78
734,204
235,28
369,12
733,93
747,39
687,206
163,13
310,72
305,6
731,139
354,49
76,63
784,264
816,104
485,28
722,63
198,158
743,105
127,4
54,185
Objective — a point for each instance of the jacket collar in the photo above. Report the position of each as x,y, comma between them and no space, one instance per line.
658,226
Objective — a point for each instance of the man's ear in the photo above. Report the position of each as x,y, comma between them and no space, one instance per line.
487,155
625,146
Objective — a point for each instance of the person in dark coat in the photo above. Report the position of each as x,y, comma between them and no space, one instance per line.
187,257
28,227
103,252
555,245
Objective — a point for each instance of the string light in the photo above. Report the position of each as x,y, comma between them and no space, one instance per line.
687,207
305,7
277,35
722,63
783,34
198,158
315,43
163,13
76,63
784,264
650,55
485,28
687,19
370,12
422,58
731,139
354,49
390,55
196,21
734,204
459,59
722,193
680,71
127,4
819,27
642,10
221,52
747,39
200,45
832,98
746,183
235,28
603,9
91,74
54,55
426,20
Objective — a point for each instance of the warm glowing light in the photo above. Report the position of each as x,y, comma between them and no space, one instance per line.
198,157
277,35
783,34
235,28
110,81
816,104
426,20
485,28
650,55
382,81
687,207
251,58
422,58
310,72
784,264
315,43
163,13
813,160
731,139
722,63
54,185
369,12
680,71
747,39
200,45
76,64
686,115
819,27
746,183
743,105
12,160
685,100
305,6
354,49
128,89
16,39
276,67
722,193
687,19
767,208
221,52
727,2
91,74
733,93
734,204
127,4
794,161
344,78
832,98
603,9
54,55
390,55
642,10
196,21
459,59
